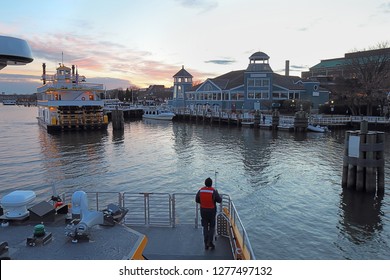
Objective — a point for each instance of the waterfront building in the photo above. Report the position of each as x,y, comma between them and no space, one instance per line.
255,88
329,69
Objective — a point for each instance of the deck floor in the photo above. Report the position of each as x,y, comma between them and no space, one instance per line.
184,242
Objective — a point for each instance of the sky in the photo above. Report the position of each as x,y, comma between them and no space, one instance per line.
137,43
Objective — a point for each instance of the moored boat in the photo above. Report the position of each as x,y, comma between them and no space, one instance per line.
67,102
9,102
317,128
158,113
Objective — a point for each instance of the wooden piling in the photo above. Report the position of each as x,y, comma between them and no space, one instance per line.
301,121
380,157
363,163
117,119
370,171
344,179
275,119
257,119
359,168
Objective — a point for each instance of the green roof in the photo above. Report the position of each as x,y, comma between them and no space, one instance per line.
329,63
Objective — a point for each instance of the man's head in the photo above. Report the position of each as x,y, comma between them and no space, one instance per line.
208,182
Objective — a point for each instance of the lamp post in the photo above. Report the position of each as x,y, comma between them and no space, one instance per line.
331,107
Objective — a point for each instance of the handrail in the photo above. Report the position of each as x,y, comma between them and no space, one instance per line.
168,210
248,114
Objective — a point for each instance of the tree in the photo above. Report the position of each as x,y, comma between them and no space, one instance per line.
369,76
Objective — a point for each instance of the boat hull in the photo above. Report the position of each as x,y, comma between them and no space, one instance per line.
316,128
79,127
167,117
9,102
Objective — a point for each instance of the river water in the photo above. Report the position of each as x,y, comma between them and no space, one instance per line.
286,186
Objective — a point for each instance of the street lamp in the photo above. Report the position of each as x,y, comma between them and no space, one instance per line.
331,106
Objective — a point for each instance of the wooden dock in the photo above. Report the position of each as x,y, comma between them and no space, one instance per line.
283,122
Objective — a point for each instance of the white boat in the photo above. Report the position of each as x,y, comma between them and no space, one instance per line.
9,102
247,120
317,128
158,113
67,102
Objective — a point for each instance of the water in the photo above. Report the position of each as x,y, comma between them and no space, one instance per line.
286,186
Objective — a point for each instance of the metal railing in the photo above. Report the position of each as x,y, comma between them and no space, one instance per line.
169,210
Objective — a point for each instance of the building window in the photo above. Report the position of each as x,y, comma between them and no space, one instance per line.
208,87
237,96
293,95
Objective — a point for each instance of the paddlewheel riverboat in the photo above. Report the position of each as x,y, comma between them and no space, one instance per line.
67,102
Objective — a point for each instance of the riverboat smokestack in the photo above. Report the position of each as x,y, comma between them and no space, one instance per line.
287,68
44,73
73,74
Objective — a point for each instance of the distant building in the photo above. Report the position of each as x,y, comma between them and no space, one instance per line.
329,69
255,88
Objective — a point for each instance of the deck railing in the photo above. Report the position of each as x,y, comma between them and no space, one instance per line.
283,119
170,210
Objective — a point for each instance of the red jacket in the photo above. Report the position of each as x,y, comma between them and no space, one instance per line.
207,197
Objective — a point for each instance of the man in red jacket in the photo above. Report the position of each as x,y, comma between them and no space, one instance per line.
207,196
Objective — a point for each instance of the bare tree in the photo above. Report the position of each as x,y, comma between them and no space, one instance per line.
369,75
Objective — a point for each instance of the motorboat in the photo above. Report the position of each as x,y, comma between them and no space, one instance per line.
317,128
247,120
9,102
117,225
158,113
67,102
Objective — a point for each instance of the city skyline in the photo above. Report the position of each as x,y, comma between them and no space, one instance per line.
140,43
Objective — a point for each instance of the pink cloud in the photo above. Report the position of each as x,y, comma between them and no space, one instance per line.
105,59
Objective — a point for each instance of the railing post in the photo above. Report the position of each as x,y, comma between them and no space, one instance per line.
146,207
97,201
196,215
173,210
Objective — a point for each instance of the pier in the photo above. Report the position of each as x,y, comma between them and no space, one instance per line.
276,121
128,110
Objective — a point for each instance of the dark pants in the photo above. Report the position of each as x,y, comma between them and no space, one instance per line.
208,224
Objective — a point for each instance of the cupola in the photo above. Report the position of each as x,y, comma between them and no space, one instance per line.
258,62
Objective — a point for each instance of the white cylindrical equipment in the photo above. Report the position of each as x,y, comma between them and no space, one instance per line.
15,204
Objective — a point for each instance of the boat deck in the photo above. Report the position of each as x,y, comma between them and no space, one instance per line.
155,216
183,242
106,242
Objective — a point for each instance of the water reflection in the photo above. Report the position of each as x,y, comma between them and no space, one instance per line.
118,136
71,155
361,218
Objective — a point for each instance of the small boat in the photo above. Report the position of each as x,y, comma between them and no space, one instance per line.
158,113
247,120
9,102
317,128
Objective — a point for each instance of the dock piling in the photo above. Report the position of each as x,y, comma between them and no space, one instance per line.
363,164
117,119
